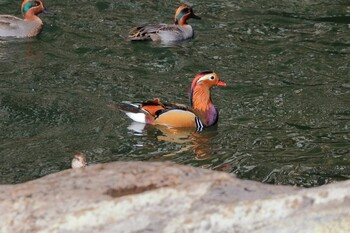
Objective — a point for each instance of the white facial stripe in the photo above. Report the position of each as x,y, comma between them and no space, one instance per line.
206,77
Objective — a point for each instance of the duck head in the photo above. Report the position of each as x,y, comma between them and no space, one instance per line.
30,8
183,13
200,98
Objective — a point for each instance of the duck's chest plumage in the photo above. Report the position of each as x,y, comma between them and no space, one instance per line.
209,116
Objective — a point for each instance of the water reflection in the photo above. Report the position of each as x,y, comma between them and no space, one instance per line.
198,143
172,44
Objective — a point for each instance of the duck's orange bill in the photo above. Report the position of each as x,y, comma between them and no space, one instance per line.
221,83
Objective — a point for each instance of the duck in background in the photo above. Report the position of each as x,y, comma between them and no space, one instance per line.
79,160
178,31
200,114
30,26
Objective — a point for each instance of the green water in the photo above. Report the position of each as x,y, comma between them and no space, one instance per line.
284,116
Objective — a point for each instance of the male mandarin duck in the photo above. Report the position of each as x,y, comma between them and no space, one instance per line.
178,31
31,25
200,114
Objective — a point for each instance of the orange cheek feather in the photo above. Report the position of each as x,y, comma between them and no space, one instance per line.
152,109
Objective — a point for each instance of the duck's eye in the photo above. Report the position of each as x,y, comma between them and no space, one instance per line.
36,3
212,78
186,11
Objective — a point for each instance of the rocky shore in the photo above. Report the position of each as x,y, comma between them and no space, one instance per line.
166,197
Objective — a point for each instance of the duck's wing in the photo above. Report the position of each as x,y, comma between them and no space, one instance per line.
153,107
156,112
143,112
144,32
9,22
150,106
152,32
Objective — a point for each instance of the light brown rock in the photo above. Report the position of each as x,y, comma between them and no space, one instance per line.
165,197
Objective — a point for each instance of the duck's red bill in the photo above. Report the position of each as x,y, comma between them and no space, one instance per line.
222,84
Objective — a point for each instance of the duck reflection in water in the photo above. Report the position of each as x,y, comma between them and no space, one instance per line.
197,142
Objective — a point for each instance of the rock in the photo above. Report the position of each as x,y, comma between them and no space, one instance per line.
166,197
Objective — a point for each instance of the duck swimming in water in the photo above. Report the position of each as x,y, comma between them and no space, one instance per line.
30,26
200,114
178,31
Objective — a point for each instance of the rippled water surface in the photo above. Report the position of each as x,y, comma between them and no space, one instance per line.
284,116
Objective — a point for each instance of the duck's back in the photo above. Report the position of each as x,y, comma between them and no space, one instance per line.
161,32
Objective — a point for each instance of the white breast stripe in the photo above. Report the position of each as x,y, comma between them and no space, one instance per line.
199,124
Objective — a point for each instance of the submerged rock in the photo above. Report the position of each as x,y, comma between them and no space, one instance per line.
166,197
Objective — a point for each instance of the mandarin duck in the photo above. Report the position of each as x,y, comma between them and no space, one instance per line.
79,160
178,31
200,114
30,26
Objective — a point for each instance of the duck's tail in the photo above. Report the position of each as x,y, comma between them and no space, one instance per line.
132,110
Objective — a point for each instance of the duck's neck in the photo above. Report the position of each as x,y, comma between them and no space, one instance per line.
31,16
203,106
181,21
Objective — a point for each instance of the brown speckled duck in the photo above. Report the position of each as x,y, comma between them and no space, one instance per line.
178,31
